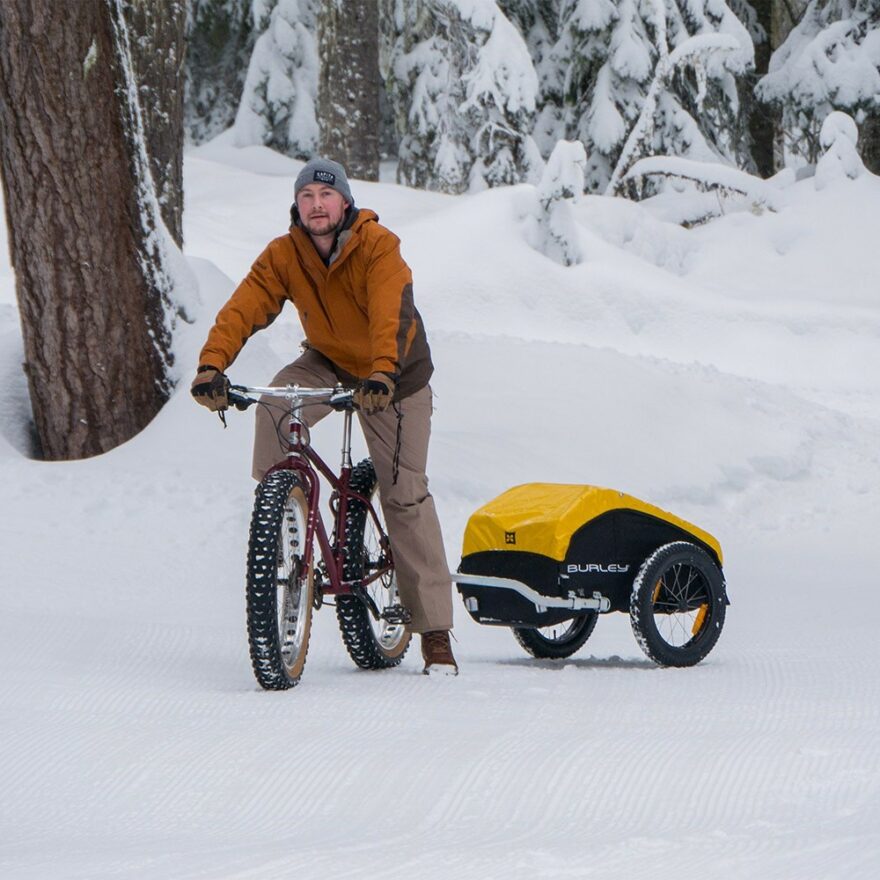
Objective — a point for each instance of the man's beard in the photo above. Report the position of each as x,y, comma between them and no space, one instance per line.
321,226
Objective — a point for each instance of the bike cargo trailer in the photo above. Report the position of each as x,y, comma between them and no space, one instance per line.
546,559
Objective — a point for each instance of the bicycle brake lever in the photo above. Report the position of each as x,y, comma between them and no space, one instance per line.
239,401
341,400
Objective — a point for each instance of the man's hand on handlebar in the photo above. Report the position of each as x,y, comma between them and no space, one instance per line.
210,388
374,394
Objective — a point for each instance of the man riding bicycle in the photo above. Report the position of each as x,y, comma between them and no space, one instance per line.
353,292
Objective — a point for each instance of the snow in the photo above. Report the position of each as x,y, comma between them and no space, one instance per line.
829,61
464,80
160,258
91,58
503,74
707,175
550,226
730,373
278,100
838,137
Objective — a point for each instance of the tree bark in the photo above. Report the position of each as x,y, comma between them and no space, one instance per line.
348,88
157,46
764,119
869,142
91,285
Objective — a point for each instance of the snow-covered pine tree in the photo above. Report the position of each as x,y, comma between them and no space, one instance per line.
830,61
390,33
539,23
219,40
552,227
278,101
838,138
464,89
416,73
613,50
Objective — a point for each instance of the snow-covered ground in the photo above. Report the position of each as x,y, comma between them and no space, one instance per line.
729,373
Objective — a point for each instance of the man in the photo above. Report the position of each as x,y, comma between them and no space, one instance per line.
353,292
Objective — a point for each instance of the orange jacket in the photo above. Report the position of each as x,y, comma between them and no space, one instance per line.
358,311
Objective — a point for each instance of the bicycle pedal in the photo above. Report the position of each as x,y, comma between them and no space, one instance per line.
396,614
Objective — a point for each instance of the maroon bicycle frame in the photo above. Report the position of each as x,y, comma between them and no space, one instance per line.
303,459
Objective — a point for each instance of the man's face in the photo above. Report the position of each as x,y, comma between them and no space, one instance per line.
320,208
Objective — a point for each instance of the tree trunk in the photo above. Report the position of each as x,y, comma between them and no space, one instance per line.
764,119
348,89
157,48
869,142
89,262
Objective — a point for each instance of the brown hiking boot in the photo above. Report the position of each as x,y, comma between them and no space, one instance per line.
437,653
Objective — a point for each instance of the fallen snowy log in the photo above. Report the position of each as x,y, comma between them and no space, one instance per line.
708,177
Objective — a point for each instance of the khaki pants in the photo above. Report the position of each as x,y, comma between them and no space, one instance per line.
413,527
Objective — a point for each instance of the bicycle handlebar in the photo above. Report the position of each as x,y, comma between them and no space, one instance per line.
338,397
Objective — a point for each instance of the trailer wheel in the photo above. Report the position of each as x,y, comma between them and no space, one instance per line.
678,604
560,640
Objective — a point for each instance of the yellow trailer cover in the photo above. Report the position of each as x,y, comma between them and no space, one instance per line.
542,517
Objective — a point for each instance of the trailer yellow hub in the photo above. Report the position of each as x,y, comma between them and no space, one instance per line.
700,619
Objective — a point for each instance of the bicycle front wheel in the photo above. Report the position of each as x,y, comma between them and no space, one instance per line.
280,588
371,643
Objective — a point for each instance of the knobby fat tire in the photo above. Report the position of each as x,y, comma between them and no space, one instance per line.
352,614
651,641
264,545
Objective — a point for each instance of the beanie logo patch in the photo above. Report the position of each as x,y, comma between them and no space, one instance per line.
325,177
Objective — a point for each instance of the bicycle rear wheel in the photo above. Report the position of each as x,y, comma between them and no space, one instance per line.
279,587
371,643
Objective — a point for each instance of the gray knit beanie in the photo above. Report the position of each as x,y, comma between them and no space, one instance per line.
324,171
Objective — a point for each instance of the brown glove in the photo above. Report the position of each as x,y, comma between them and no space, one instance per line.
210,388
374,394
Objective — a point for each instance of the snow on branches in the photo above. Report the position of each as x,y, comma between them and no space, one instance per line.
278,104
830,61
838,137
464,90
652,75
552,228
731,188
697,51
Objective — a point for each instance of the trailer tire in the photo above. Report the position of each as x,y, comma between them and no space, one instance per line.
546,644
678,604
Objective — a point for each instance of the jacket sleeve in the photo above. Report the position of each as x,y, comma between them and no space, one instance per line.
254,305
390,305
